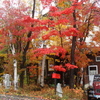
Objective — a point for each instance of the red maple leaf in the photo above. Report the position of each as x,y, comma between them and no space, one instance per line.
70,66
60,50
28,19
67,11
55,14
59,68
46,37
62,21
53,8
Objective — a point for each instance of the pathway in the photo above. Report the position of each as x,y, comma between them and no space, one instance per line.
12,97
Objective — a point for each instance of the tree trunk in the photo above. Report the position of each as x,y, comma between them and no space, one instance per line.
72,62
28,76
13,51
15,75
22,79
25,50
72,54
39,76
42,73
15,66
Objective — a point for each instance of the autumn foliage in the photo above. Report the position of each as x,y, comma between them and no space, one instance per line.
68,66
55,31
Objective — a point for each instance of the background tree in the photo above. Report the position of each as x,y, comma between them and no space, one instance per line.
19,31
10,12
14,31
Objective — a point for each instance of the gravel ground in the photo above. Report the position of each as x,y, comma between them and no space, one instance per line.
12,97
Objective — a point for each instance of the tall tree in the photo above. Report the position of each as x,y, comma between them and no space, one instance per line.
10,12
82,18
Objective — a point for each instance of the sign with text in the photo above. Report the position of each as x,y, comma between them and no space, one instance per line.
56,75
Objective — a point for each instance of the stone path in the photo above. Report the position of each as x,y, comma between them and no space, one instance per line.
12,97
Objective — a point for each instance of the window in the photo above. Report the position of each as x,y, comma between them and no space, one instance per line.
93,69
97,58
50,65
